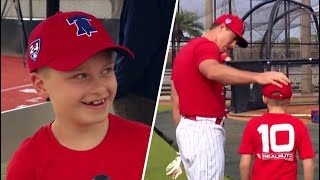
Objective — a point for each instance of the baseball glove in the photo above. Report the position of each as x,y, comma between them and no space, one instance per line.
175,168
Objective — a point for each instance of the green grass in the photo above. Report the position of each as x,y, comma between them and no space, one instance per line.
160,155
3,170
163,108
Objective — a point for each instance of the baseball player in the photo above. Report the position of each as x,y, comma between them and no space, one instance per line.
197,85
70,58
175,168
273,139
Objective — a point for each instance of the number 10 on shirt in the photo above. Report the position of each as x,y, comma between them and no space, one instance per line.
263,129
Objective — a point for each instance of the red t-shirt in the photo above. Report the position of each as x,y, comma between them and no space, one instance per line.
120,155
198,96
273,140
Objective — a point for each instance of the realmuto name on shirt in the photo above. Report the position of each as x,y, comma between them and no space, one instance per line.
289,156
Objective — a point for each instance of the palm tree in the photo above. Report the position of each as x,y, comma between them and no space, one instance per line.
186,22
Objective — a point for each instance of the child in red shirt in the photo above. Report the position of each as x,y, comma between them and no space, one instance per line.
70,58
273,139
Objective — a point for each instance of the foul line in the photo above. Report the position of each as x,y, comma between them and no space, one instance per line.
16,87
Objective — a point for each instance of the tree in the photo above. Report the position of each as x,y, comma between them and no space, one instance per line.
186,22
314,38
292,40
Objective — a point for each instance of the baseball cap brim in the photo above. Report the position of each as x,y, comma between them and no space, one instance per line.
75,58
241,42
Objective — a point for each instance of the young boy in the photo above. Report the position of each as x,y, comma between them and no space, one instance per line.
71,62
274,139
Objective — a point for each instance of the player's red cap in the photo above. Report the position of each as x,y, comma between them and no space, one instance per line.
285,91
66,40
236,25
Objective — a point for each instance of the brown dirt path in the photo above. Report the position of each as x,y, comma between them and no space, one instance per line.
302,112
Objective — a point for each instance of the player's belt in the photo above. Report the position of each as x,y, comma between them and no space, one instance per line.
218,120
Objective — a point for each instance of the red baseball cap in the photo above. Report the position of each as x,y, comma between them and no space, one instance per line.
285,90
66,40
236,25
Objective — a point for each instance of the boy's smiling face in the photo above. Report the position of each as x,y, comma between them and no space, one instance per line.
81,96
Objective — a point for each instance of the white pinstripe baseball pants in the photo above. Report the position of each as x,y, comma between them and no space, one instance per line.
201,146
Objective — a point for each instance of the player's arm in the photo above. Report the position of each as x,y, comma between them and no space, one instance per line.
175,105
308,168
245,163
213,70
306,152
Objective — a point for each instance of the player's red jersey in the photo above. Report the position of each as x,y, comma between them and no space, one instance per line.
273,140
120,155
198,96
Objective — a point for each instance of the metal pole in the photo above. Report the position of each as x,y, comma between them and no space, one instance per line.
214,10
251,31
287,70
286,37
270,27
173,37
23,36
4,7
30,10
289,29
173,46
209,14
230,12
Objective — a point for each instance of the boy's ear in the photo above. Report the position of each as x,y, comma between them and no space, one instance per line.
264,99
38,84
290,99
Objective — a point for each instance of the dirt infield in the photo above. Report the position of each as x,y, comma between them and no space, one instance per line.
16,87
302,112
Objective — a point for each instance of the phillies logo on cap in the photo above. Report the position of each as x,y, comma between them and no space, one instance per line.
228,21
34,49
83,25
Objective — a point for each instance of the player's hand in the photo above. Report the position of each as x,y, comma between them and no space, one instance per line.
175,168
272,77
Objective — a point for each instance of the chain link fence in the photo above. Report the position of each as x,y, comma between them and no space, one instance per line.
36,9
19,17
